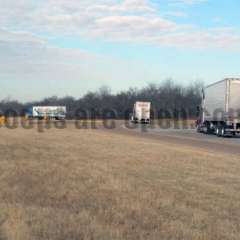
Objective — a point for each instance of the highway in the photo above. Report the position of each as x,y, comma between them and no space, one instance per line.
185,137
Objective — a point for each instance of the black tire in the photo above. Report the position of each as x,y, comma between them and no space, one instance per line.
223,132
218,132
209,131
198,129
208,128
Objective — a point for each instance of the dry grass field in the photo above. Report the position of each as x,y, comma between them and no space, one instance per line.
94,184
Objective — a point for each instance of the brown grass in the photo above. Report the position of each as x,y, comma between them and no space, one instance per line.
93,184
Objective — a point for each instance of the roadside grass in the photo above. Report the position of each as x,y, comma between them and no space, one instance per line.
94,184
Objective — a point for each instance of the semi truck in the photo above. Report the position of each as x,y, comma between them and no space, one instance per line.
220,110
47,112
141,112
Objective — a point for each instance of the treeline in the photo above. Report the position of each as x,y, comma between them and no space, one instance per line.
168,100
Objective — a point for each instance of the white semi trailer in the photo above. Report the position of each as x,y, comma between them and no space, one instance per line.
47,112
141,112
220,111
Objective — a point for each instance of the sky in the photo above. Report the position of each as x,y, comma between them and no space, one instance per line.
70,47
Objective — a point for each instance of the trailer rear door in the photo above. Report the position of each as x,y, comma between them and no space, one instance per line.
234,97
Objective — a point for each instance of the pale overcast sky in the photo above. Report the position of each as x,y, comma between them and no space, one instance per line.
69,47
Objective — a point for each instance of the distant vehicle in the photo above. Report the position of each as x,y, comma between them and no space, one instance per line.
141,112
220,111
47,112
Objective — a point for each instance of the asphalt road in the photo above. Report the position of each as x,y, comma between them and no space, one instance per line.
186,137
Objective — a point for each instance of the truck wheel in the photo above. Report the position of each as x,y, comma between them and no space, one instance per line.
198,129
223,132
219,131
209,130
